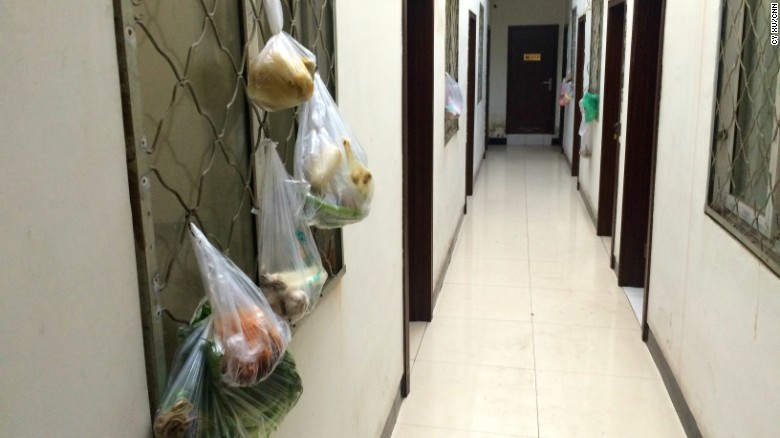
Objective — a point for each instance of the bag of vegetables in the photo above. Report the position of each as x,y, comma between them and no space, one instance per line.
291,272
330,159
196,403
182,403
281,75
246,334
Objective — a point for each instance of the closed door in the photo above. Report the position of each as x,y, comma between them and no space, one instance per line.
531,77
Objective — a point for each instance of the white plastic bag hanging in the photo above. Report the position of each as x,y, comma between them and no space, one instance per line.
246,332
281,75
329,157
453,104
584,132
181,409
291,272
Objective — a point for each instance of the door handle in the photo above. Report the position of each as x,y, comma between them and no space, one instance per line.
548,82
617,127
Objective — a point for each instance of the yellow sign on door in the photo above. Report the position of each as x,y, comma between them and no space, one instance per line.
532,56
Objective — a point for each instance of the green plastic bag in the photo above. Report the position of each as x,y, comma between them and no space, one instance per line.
590,103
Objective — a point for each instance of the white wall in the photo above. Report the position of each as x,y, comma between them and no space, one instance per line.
70,331
349,350
517,13
480,107
449,160
590,167
714,308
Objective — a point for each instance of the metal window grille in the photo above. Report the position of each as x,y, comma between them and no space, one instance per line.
594,67
192,140
451,47
481,57
743,187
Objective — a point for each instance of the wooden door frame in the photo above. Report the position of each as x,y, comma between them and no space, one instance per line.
486,92
418,159
643,94
613,84
564,62
578,87
470,104
656,117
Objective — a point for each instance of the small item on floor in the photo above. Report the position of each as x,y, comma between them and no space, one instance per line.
281,75
329,157
250,338
453,104
291,271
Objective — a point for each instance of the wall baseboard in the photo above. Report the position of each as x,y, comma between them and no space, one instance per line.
687,419
497,140
588,205
392,416
447,260
566,158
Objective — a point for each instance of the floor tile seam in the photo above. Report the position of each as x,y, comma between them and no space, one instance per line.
579,324
422,339
561,289
471,364
454,429
523,259
588,326
531,305
488,258
468,318
484,284
525,289
616,376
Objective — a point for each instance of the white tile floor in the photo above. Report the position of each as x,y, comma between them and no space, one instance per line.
531,336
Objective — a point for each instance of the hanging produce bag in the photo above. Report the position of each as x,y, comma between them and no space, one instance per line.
567,89
331,160
291,272
585,132
281,75
590,106
196,403
180,413
453,104
247,336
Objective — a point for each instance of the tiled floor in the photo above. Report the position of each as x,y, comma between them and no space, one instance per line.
531,336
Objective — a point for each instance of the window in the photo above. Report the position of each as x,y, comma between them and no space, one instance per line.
451,47
594,68
743,187
191,143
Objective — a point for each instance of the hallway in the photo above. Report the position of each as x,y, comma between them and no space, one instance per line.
531,335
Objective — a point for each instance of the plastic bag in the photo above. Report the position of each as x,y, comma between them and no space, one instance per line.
196,404
584,131
590,106
567,89
182,403
330,159
453,103
281,75
291,272
250,338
